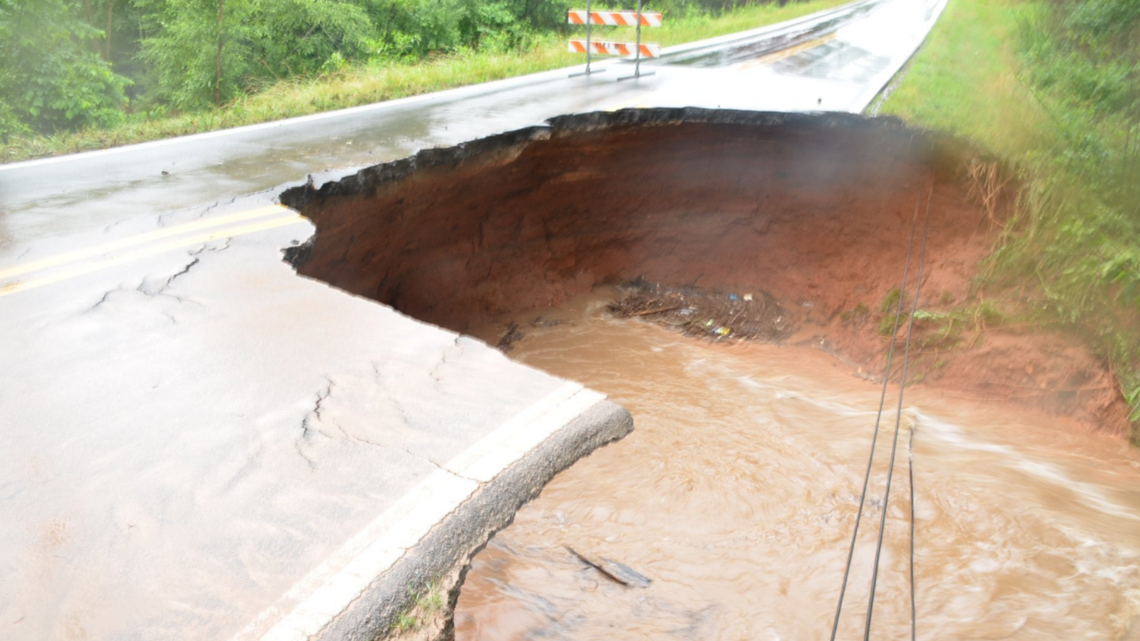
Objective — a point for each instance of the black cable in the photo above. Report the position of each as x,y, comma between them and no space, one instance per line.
910,472
878,418
898,423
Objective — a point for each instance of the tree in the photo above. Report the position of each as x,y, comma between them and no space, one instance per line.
208,51
198,53
51,77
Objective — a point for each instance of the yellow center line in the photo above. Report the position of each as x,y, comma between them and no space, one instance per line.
111,261
628,103
786,53
131,241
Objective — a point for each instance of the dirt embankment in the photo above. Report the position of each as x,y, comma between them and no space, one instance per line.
814,211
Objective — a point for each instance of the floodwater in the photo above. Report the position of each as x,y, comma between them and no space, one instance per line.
737,492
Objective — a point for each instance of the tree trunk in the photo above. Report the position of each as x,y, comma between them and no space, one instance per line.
218,76
91,21
110,23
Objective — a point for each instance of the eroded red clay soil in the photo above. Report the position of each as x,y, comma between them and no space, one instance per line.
814,210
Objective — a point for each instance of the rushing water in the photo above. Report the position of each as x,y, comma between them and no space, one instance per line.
737,492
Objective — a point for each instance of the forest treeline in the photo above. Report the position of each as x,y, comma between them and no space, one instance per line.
70,64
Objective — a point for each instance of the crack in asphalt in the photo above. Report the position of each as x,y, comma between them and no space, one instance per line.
206,247
443,361
185,270
322,396
316,413
105,297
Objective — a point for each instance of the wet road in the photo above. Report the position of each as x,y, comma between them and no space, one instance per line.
838,62
200,444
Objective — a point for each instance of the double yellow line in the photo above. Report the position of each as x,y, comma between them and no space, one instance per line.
744,66
785,53
76,263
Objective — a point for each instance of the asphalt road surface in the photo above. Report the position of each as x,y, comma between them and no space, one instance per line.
200,444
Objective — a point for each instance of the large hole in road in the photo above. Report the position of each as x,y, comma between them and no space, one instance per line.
813,209
722,495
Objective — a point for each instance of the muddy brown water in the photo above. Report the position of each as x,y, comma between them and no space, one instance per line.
737,492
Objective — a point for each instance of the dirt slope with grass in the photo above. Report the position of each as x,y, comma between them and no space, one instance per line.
808,215
1048,86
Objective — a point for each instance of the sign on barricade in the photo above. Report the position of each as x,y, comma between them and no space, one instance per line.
637,49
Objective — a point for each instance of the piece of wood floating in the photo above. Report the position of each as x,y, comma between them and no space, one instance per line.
616,572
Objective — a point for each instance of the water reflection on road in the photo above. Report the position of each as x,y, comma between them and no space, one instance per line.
738,489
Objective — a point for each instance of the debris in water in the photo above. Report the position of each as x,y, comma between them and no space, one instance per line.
542,321
617,572
510,337
700,312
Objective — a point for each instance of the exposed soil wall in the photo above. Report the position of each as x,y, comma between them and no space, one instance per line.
815,210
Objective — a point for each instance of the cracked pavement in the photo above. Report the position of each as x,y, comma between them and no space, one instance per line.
193,433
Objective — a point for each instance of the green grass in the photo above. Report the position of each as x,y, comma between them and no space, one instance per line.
1001,74
427,603
966,81
385,80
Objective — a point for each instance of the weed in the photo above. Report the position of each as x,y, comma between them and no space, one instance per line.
427,602
986,186
407,622
857,313
890,311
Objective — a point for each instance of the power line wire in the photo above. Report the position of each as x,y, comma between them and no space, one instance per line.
898,424
878,418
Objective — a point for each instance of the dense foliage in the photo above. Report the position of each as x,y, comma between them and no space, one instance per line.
69,64
50,75
1080,239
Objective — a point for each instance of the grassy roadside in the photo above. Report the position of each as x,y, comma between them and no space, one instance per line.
388,80
1072,250
965,81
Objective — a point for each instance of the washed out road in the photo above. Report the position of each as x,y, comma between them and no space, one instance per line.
201,444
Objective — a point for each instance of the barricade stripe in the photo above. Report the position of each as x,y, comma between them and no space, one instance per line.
614,18
604,47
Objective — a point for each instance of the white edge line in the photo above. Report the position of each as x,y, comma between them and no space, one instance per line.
330,587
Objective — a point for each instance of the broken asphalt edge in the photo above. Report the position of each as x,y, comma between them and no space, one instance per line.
444,554
429,538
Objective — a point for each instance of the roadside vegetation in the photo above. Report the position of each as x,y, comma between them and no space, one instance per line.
85,75
1053,87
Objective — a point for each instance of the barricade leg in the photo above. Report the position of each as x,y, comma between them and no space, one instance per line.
589,49
637,59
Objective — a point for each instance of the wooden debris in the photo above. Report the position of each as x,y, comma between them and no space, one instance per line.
616,572
712,314
512,334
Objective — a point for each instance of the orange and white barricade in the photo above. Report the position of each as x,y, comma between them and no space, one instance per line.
615,18
607,48
592,47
